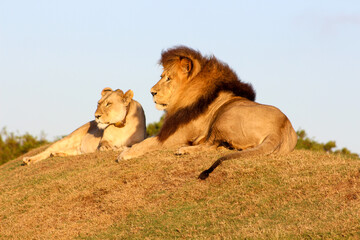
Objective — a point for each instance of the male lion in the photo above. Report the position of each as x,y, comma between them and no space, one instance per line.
119,121
207,106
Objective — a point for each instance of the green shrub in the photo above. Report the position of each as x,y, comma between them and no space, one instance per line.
153,129
12,146
306,143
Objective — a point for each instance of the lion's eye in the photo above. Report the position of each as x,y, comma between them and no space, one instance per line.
108,104
168,79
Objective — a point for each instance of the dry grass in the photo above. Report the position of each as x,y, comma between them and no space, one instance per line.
301,195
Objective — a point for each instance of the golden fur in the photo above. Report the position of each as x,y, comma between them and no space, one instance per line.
119,122
207,106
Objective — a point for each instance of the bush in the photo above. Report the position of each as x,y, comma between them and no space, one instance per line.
12,146
306,143
153,129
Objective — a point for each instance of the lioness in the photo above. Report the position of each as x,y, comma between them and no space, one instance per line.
119,121
207,106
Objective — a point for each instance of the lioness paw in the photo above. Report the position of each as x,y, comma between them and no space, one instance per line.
104,147
120,149
26,161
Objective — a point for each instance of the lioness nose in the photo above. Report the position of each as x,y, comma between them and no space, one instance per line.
153,93
97,116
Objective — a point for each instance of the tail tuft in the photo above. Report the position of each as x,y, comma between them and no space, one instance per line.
204,175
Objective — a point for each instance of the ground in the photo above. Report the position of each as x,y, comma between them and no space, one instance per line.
304,194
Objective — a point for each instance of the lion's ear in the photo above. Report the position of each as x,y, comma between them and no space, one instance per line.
105,90
128,96
186,65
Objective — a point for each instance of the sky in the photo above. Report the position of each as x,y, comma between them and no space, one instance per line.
302,56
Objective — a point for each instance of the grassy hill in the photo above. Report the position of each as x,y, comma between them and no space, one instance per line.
304,194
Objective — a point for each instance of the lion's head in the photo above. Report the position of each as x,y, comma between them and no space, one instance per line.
112,107
164,89
189,84
174,82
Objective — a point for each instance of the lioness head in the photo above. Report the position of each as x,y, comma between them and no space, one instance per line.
112,107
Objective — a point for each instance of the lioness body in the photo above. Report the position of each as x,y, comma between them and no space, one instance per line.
120,124
208,106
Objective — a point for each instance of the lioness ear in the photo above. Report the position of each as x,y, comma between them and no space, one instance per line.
186,65
128,96
105,90
119,91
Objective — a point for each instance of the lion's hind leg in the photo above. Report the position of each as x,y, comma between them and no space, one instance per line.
195,148
268,146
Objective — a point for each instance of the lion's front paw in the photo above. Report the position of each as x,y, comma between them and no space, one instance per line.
125,155
182,151
185,150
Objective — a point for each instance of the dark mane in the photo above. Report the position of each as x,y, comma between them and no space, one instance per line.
218,74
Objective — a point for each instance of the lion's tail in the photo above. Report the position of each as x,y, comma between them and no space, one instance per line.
270,145
241,154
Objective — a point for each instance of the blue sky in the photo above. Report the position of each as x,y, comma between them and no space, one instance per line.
57,56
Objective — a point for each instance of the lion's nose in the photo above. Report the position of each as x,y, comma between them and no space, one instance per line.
97,116
153,93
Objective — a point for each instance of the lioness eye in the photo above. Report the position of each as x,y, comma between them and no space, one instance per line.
168,79
108,104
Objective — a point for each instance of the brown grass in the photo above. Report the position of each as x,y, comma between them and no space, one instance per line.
301,195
